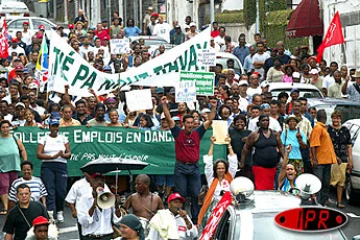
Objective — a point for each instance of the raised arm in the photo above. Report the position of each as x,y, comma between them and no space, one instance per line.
208,122
247,147
282,173
280,146
167,112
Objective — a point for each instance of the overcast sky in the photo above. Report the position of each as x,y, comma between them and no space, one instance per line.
233,4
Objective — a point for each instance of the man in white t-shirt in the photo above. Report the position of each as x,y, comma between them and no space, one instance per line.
259,59
162,29
254,87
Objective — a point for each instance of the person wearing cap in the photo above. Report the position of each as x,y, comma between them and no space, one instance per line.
97,222
187,154
294,94
79,31
151,25
71,27
219,175
296,77
15,48
26,35
178,37
192,33
131,228
19,219
41,228
146,19
293,136
352,89
264,86
54,151
243,97
174,222
19,118
268,147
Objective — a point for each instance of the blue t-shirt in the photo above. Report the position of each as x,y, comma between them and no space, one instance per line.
291,139
132,31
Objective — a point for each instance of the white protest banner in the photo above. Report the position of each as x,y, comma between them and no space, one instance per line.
185,91
120,46
66,67
139,100
207,57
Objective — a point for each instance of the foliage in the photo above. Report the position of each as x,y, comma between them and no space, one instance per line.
275,30
228,17
249,12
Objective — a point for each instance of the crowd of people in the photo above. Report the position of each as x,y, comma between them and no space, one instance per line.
262,128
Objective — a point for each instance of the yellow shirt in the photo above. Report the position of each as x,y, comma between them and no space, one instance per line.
321,139
73,122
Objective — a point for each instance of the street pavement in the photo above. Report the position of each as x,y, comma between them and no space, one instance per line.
68,229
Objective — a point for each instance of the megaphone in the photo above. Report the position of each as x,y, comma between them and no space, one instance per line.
308,184
105,199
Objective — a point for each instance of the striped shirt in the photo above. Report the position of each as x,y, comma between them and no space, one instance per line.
37,188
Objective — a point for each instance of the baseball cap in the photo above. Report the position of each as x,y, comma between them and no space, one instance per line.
294,90
14,40
40,220
107,68
175,118
110,100
55,115
205,110
71,26
54,122
264,84
185,26
26,70
19,68
42,27
106,38
265,106
25,23
243,82
177,26
257,73
296,75
159,90
150,8
20,104
314,71
33,86
175,196
172,91
192,24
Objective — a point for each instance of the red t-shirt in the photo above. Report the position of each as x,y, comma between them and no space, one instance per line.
215,33
101,35
187,146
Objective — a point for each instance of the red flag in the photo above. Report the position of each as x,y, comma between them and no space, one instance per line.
4,44
215,217
334,35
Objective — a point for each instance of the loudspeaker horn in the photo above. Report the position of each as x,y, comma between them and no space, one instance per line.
308,184
105,199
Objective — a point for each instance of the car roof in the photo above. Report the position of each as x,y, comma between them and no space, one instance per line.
353,121
146,38
225,55
270,201
337,101
281,85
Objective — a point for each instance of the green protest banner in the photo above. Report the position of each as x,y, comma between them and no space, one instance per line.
204,81
154,147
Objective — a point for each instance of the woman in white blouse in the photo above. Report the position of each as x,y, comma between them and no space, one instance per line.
218,176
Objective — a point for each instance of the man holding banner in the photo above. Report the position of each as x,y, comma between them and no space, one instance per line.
187,154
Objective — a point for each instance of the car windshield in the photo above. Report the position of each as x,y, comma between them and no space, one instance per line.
272,231
308,93
347,111
223,60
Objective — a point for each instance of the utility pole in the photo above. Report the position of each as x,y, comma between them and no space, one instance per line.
212,11
257,23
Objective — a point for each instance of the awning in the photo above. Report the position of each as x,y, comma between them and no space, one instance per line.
305,20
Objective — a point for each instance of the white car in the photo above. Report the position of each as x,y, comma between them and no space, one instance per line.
306,90
13,8
16,24
352,186
223,57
